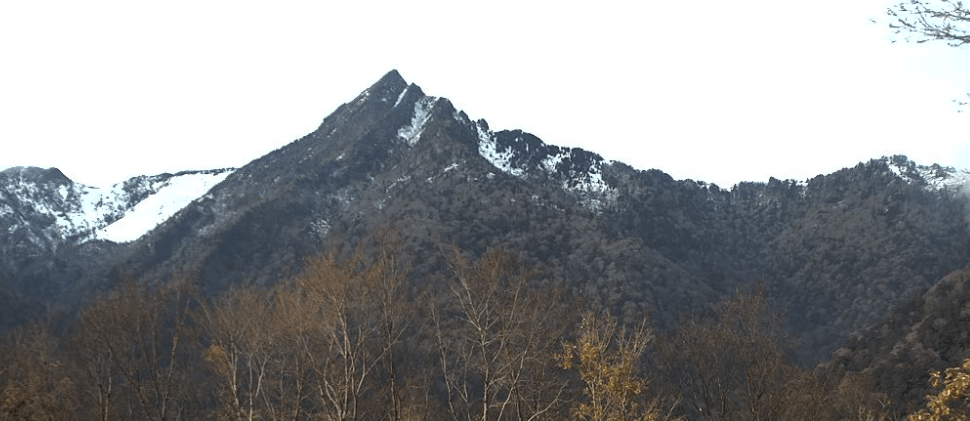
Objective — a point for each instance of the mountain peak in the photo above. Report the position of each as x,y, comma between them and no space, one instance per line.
389,85
391,77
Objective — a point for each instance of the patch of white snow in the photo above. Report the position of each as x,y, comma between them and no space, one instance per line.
945,178
488,149
422,111
551,162
936,177
401,96
898,170
155,209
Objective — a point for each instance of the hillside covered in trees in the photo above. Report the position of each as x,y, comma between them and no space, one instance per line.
355,337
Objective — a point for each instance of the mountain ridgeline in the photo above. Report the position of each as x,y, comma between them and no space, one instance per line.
837,253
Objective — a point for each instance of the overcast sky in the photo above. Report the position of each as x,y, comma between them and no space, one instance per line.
713,90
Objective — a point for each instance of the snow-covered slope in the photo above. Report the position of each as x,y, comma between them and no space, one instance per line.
44,206
170,196
934,177
578,172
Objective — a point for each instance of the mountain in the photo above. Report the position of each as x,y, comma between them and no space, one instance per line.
52,230
927,333
60,210
837,252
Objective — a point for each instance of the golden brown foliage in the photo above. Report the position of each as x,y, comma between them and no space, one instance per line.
34,385
952,403
607,358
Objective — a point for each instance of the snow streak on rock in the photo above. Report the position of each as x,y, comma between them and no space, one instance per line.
422,110
488,149
401,96
586,180
586,183
578,172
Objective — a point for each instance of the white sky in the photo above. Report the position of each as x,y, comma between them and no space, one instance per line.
713,90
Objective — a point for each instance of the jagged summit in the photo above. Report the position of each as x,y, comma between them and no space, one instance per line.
391,83
392,80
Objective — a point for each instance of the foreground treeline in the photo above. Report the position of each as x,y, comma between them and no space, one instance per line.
354,338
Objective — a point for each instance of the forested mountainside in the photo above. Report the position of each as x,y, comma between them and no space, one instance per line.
928,333
837,253
352,336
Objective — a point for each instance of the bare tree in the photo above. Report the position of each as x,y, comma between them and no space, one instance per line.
344,357
97,375
495,335
136,341
933,20
321,347
856,398
286,395
241,345
34,383
386,277
735,366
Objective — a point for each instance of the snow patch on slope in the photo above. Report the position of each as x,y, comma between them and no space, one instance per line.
949,179
75,209
935,176
585,183
122,212
488,149
588,180
422,111
173,195
95,208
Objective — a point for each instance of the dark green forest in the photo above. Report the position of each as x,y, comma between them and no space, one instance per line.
355,336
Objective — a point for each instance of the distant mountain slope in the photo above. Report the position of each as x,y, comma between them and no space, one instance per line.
61,210
930,332
170,194
52,230
837,252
